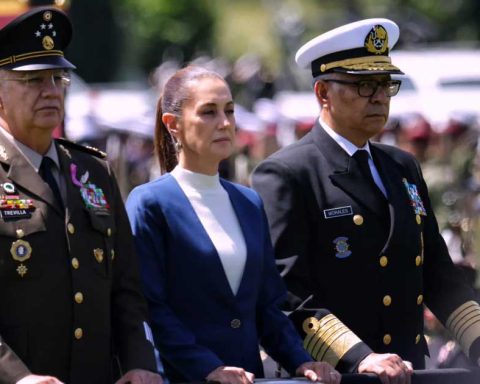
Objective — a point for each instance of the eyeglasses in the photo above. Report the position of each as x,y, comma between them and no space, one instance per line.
59,80
367,88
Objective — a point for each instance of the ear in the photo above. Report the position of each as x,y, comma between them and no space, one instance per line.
321,92
170,122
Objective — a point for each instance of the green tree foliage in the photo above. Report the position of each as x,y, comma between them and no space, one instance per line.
161,29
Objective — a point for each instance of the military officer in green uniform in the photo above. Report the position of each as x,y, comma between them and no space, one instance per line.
352,223
71,304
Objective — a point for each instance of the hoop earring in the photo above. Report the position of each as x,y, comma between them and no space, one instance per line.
178,146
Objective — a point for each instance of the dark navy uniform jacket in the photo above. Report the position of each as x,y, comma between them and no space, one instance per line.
70,294
373,264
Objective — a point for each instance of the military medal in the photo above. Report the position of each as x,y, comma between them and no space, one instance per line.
93,196
21,252
415,199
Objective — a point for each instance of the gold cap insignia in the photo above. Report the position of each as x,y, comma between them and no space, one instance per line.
48,43
47,16
21,250
377,40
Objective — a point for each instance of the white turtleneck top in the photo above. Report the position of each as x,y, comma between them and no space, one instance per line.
214,209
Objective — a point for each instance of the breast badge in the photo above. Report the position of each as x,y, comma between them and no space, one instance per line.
93,196
342,247
21,251
12,207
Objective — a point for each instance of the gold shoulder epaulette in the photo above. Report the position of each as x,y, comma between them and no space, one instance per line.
84,148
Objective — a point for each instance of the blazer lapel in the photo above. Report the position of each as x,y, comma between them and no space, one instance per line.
21,172
346,174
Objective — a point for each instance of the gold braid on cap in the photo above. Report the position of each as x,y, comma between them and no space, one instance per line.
328,339
464,324
29,55
358,63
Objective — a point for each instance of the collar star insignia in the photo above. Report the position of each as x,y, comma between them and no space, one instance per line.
67,152
3,153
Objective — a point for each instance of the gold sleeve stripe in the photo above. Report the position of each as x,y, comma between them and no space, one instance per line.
328,339
464,324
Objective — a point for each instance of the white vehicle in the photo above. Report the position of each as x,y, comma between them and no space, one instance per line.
439,83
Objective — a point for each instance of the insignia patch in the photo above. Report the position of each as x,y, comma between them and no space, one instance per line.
342,247
92,196
415,199
8,188
46,31
377,40
338,212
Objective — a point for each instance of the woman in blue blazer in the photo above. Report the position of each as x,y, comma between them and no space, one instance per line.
205,252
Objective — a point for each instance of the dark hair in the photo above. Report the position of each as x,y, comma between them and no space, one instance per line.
175,92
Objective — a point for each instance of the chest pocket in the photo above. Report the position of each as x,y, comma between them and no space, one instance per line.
103,252
19,240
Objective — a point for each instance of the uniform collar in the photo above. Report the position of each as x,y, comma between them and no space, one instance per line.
345,144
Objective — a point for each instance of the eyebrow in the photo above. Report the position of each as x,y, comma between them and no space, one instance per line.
215,104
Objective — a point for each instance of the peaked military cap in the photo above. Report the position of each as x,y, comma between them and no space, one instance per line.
361,47
36,40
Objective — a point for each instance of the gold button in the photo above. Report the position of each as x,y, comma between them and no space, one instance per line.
79,297
78,333
71,228
98,254
387,300
113,254
419,219
384,261
235,323
358,219
420,299
418,261
417,339
109,232
75,263
387,339
20,233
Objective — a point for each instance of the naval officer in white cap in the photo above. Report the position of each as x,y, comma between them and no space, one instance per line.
352,223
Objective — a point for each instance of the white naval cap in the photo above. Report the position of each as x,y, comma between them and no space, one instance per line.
361,47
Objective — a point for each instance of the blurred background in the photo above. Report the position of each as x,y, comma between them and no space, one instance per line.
124,50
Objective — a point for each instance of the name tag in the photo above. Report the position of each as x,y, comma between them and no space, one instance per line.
338,212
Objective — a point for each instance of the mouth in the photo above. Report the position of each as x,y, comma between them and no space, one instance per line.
49,108
222,140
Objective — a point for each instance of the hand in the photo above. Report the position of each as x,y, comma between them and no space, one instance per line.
140,376
35,379
319,371
231,375
390,368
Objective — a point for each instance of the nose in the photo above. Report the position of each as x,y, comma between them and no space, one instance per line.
380,94
226,120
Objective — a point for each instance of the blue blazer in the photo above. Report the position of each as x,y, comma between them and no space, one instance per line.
198,323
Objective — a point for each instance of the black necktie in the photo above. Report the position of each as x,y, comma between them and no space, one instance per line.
362,156
46,173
